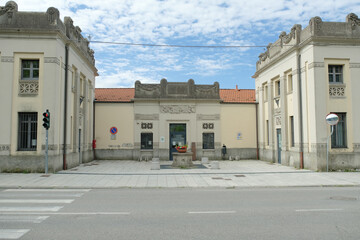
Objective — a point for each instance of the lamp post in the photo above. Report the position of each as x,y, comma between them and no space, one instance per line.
331,119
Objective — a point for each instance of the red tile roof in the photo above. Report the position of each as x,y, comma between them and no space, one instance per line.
114,94
238,95
127,94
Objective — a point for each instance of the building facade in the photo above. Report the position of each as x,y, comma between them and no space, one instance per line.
303,76
45,64
151,119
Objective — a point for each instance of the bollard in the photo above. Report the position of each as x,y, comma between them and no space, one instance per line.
155,164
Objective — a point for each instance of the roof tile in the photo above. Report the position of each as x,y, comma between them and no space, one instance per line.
127,94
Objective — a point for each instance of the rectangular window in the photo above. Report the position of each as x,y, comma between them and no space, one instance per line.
335,74
30,69
338,138
265,93
146,141
208,141
27,132
277,88
290,83
292,138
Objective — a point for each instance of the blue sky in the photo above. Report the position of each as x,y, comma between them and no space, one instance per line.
189,23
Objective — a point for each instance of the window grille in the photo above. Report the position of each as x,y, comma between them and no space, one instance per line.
338,138
146,141
27,132
208,140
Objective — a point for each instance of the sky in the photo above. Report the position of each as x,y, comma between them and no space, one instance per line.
250,24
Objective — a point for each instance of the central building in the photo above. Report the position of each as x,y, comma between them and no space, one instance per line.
151,119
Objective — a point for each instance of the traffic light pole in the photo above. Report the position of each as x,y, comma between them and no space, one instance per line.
46,152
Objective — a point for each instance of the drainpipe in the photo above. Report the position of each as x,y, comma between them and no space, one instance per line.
300,113
65,103
94,154
257,132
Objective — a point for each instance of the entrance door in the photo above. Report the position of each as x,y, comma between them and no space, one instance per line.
177,136
278,134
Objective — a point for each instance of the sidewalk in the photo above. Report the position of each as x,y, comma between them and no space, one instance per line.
133,174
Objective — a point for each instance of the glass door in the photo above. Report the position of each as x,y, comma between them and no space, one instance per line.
177,136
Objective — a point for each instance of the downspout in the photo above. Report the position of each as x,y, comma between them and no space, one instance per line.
65,104
300,113
94,141
257,132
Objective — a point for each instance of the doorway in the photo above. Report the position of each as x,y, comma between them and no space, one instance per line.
177,136
278,134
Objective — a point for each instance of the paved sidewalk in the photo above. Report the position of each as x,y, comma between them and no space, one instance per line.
132,174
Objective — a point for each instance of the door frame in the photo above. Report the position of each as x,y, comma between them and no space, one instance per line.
171,147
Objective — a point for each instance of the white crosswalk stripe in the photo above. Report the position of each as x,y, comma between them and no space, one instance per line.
23,219
31,206
12,233
36,200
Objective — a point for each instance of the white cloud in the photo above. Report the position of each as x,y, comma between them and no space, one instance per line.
194,22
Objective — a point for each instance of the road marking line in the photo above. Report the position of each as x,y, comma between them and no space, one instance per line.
23,219
47,190
12,233
36,200
69,213
30,209
43,195
212,212
319,210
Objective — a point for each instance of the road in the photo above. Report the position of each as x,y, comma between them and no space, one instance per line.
209,213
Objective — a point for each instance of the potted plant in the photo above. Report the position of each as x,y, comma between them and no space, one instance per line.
182,148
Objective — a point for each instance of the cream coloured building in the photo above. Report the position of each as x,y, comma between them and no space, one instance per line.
149,120
303,76
45,64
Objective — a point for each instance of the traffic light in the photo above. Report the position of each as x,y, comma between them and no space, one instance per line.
46,119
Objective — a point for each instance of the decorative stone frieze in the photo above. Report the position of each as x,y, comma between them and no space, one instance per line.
52,60
353,19
315,25
146,116
7,59
9,9
28,87
208,116
337,90
177,109
4,147
316,65
53,15
354,65
176,90
278,120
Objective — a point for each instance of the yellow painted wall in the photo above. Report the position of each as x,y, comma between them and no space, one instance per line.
119,115
235,119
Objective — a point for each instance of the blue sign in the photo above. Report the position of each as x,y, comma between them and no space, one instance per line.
113,130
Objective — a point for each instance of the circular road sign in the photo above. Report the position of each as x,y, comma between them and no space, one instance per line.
332,119
113,130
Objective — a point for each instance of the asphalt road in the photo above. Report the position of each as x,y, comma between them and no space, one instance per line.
258,213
